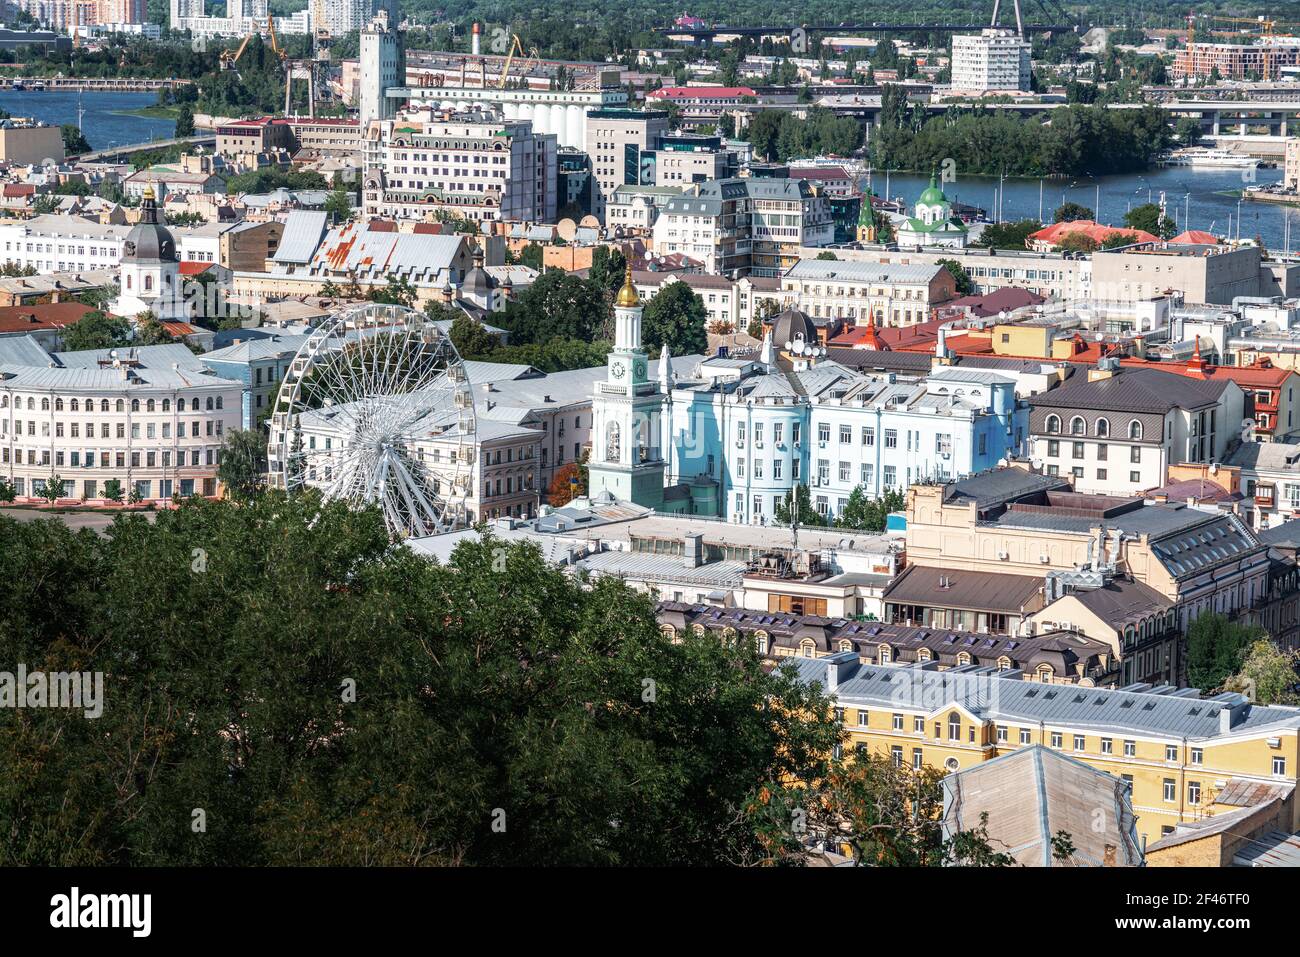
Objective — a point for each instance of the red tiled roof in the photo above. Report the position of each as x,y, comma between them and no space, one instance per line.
190,268
1261,375
690,92
428,229
1097,232
13,190
1196,236
1008,298
49,315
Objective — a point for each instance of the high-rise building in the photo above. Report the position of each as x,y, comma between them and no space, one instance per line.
615,141
990,60
383,65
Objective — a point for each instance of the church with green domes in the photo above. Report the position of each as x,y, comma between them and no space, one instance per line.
933,223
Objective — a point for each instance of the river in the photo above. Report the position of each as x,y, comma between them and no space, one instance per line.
1196,199
105,121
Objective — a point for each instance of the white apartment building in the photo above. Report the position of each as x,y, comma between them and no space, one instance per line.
636,208
894,295
990,60
1291,164
57,243
476,165
150,418
747,226
1117,430
732,301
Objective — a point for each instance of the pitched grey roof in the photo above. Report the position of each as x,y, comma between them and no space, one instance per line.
995,486
1011,700
1134,390
1122,601
821,270
303,231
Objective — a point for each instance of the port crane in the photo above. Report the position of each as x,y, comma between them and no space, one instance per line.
517,47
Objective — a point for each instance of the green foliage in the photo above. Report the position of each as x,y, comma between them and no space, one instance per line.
1071,140
185,121
399,291
53,489
267,180
340,702
113,491
339,205
1267,674
778,135
7,491
1216,648
74,142
557,305
1071,212
1148,217
243,463
675,317
96,330
1007,235
867,515
798,502
965,285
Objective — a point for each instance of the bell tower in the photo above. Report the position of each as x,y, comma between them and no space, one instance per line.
627,410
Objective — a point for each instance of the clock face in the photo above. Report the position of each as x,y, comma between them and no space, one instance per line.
640,370
619,370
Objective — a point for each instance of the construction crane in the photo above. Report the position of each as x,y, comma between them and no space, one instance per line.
228,59
517,46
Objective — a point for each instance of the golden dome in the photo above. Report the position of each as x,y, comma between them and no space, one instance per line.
627,297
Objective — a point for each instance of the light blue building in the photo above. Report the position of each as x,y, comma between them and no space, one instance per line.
754,428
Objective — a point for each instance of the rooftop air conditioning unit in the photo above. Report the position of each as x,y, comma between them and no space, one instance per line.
1044,559
1275,742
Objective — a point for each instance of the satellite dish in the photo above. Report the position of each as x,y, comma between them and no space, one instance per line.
589,222
1036,463
567,229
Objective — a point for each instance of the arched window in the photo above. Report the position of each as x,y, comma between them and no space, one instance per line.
148,283
135,405
4,401
76,405
954,727
1135,429
45,405
846,645
150,406
1053,424
103,405
1076,425
31,404
885,655
58,405
1045,674
1004,663
668,631
806,648
120,405
697,630
1103,426
219,402
167,405
963,658
923,654
209,403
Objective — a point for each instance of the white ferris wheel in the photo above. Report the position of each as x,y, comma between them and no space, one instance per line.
376,409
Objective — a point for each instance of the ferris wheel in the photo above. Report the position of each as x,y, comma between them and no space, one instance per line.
376,409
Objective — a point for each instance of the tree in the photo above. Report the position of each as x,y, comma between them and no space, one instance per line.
7,491
339,205
675,316
556,305
113,491
185,121
1267,674
1077,242
1215,649
243,463
1071,212
74,143
398,292
570,482
340,702
1116,240
1149,217
965,286
53,489
885,814
798,501
96,330
471,339
1007,235
869,515
827,255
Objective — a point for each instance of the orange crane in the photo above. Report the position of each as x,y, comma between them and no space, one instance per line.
517,46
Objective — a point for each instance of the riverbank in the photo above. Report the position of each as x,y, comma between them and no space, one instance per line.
156,112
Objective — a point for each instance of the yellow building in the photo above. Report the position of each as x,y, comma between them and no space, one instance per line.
1178,752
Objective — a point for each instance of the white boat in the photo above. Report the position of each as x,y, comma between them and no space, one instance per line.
1200,157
